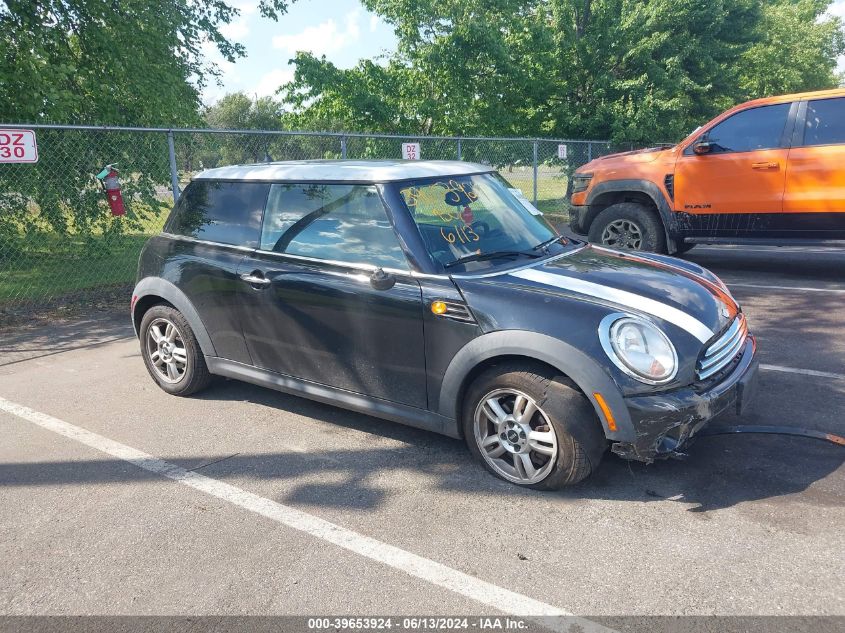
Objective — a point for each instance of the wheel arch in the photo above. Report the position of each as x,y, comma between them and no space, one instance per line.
605,194
509,345
152,291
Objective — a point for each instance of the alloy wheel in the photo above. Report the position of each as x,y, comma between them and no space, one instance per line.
623,234
515,436
166,350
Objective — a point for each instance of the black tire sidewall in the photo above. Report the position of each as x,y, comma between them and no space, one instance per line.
185,384
654,238
580,439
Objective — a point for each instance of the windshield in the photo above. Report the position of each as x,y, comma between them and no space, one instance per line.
471,223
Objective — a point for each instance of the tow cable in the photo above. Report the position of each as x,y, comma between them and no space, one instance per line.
774,430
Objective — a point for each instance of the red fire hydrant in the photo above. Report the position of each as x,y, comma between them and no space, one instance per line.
111,185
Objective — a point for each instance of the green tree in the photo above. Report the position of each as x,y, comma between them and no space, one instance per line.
118,62
794,50
628,70
237,111
126,62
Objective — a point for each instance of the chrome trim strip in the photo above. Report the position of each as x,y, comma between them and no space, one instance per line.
718,362
725,339
333,262
194,240
623,298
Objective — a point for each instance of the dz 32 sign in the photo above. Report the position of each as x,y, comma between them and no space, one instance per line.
18,146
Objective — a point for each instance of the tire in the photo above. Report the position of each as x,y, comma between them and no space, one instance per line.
171,373
637,228
578,443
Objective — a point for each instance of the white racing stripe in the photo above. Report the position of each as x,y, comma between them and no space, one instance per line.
486,593
795,288
621,297
804,372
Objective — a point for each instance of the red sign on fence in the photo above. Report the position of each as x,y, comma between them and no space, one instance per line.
18,146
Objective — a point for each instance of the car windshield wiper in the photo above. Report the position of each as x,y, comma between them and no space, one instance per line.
549,242
480,257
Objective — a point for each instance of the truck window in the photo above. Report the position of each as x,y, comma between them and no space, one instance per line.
225,212
749,130
825,122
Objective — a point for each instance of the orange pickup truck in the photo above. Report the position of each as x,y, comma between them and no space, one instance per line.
769,171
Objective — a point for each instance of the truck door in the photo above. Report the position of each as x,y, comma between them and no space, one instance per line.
731,178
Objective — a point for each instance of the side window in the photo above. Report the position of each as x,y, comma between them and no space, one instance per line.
825,122
345,223
226,212
749,130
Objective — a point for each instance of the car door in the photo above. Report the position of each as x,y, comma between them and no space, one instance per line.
815,176
213,226
310,305
739,174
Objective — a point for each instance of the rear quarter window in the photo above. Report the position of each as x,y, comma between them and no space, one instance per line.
224,212
825,122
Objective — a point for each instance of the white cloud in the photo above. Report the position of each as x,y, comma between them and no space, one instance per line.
270,82
238,29
374,21
324,38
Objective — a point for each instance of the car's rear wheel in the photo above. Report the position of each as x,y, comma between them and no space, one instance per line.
628,225
532,428
171,352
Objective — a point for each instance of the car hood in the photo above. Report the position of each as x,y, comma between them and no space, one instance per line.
675,291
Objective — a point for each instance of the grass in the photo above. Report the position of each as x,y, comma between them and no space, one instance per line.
53,266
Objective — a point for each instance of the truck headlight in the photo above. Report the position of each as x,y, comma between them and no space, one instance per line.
639,348
581,182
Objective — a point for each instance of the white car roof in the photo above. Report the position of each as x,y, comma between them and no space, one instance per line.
341,170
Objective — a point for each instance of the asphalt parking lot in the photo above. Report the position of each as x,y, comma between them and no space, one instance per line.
303,508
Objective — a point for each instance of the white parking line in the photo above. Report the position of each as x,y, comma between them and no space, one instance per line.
502,600
796,288
805,372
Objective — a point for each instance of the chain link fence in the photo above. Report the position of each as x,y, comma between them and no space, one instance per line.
60,244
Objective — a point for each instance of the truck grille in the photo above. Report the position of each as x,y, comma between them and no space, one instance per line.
720,354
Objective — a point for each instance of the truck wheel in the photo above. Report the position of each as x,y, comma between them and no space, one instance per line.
532,429
628,225
171,352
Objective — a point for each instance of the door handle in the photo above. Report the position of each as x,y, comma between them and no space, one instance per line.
766,165
253,280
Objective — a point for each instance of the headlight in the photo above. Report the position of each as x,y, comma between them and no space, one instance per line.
639,348
580,182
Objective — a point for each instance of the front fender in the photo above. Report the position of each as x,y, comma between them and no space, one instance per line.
158,287
640,186
585,372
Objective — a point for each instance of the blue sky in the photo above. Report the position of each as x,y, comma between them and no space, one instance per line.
342,30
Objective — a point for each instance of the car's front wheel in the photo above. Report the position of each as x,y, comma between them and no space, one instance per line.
532,428
171,352
628,225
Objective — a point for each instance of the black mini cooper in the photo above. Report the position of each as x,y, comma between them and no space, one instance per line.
434,294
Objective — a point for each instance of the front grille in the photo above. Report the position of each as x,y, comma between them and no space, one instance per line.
458,312
721,353
669,182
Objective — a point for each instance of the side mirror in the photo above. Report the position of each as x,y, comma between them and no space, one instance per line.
381,280
701,147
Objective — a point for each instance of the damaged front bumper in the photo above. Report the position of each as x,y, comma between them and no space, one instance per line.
665,422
